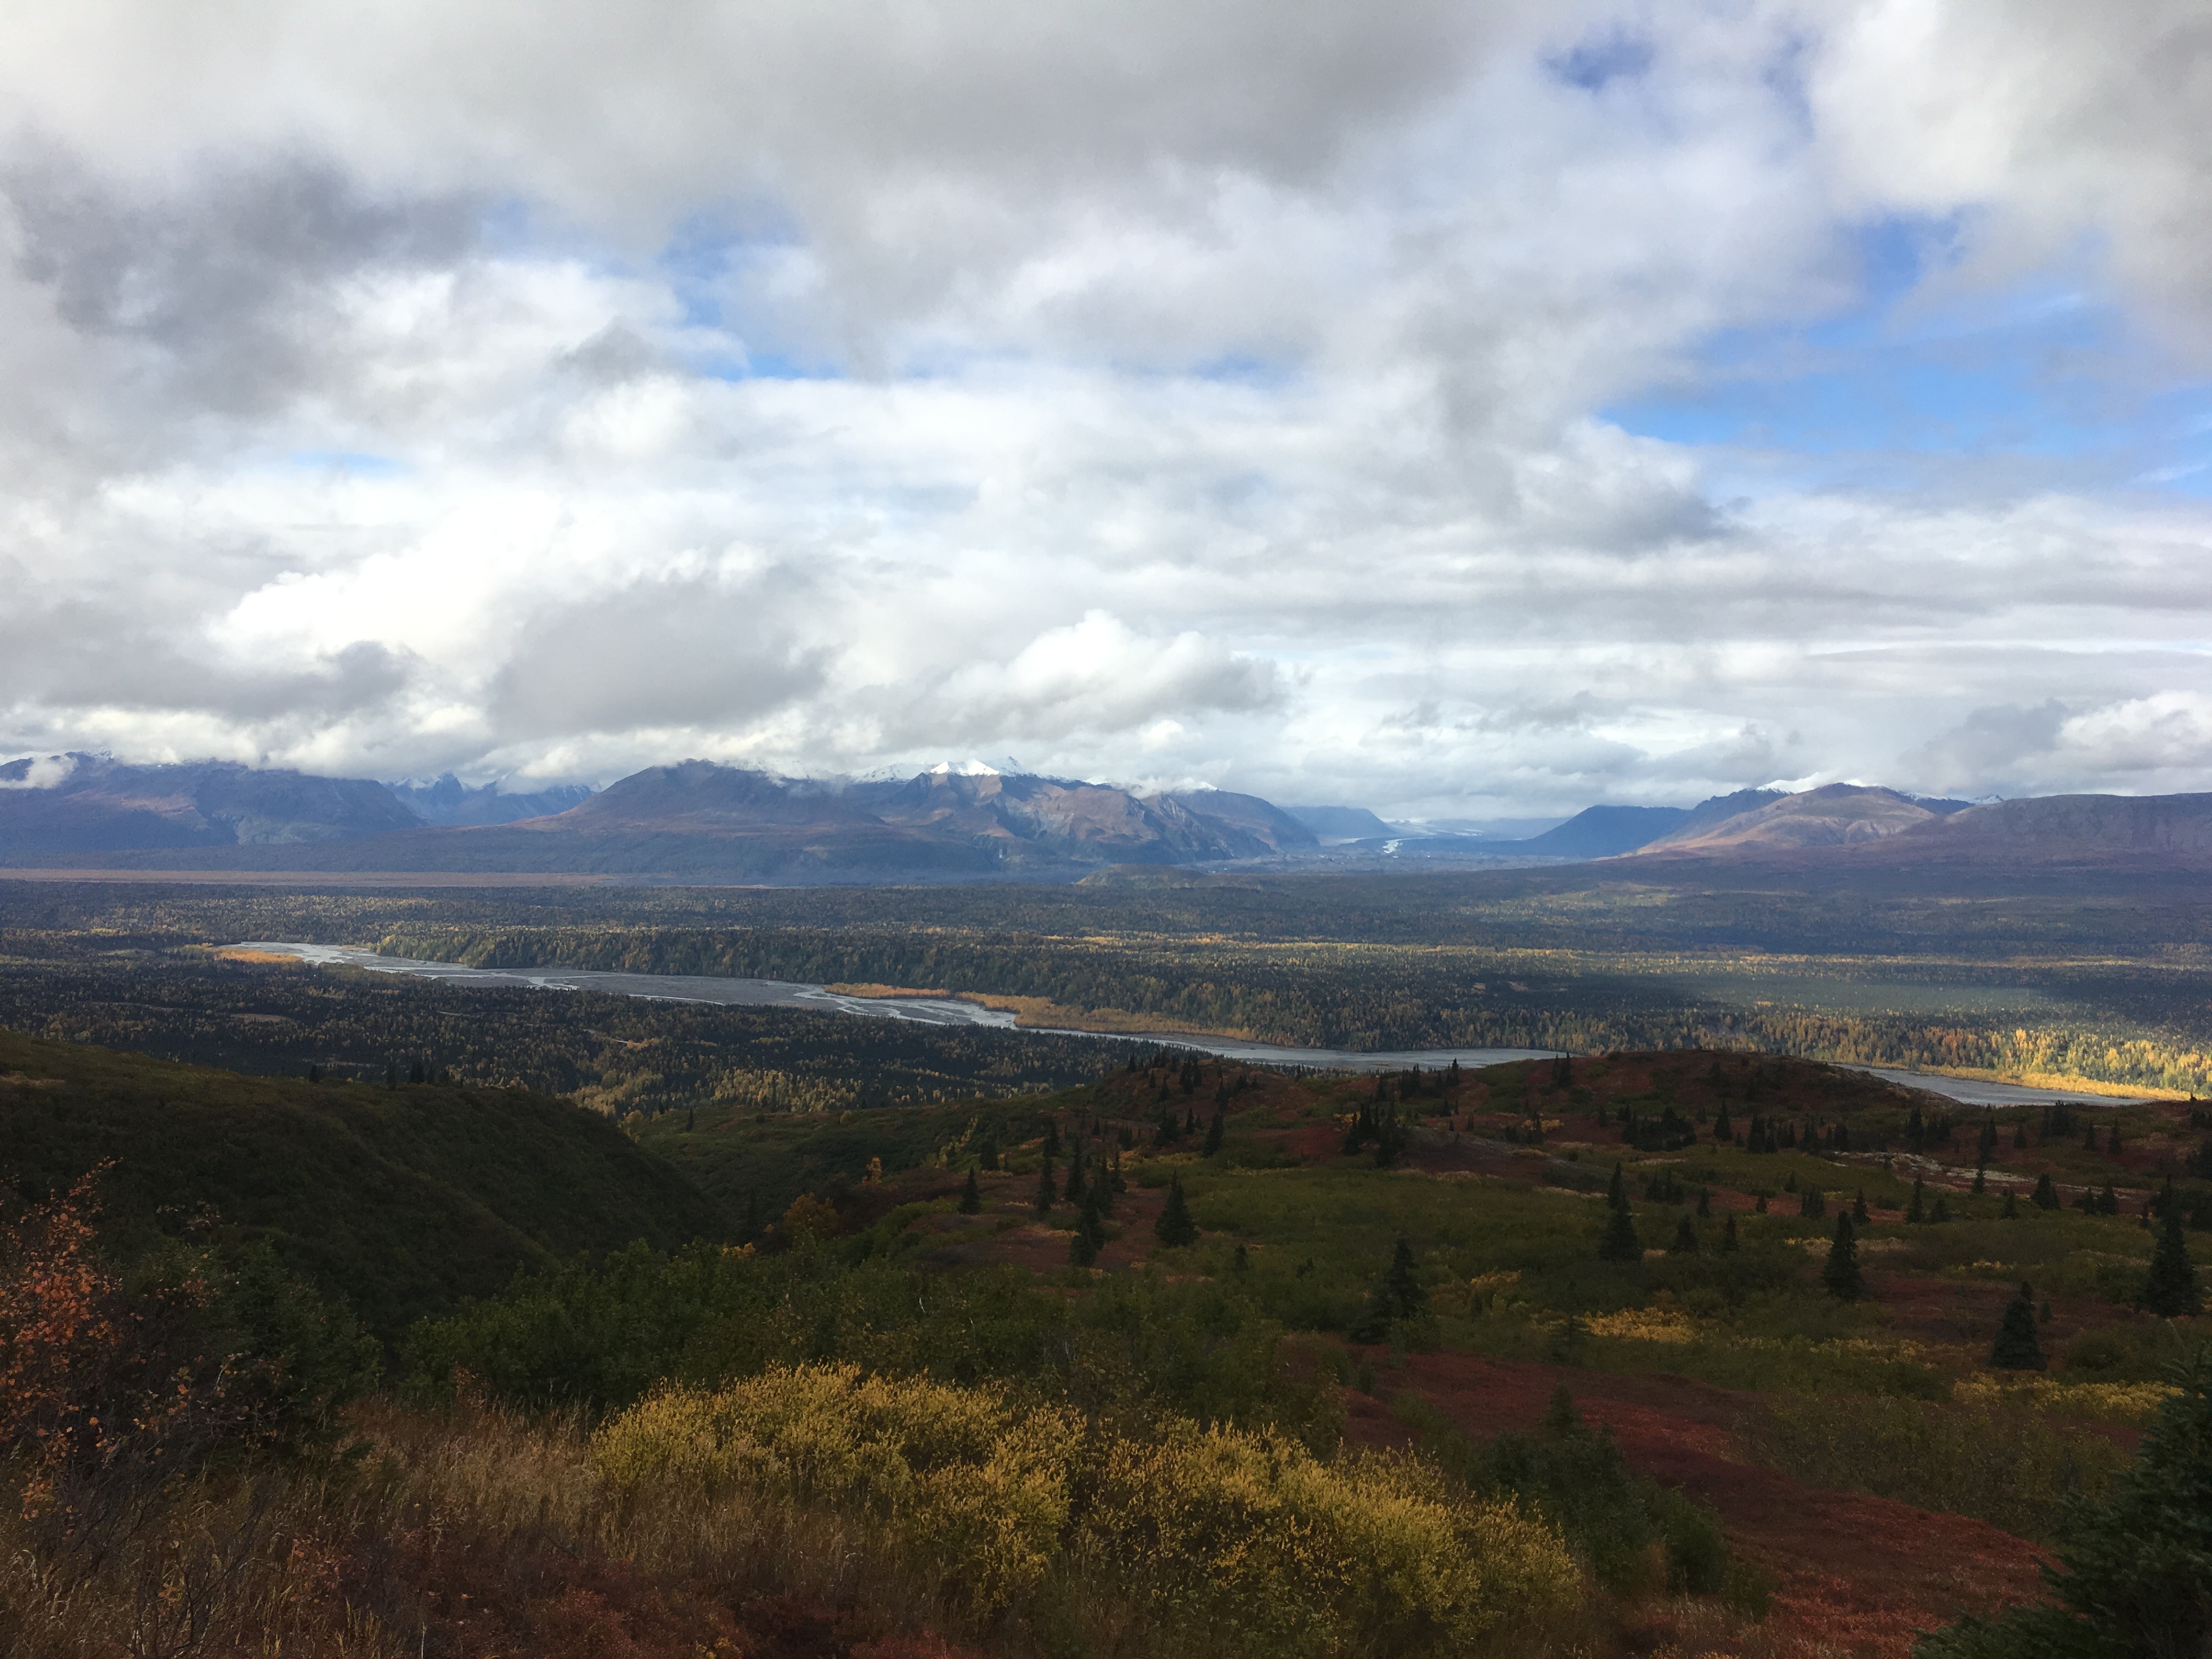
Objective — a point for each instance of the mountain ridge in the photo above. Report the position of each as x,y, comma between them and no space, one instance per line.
701,820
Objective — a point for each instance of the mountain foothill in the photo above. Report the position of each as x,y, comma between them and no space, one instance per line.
703,821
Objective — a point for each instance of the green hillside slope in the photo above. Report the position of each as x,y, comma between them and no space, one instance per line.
402,1201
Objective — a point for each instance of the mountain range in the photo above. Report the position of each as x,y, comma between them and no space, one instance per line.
700,821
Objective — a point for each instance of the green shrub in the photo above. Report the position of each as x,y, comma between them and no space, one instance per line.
1613,1519
2012,1470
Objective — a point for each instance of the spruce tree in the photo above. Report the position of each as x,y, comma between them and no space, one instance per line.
1398,1295
1083,1249
1620,1242
1704,1204
1859,1209
1841,1274
1616,1195
2045,1196
1402,1285
1942,1209
1560,1417
971,1196
2135,1572
1175,1228
1047,1191
1728,1233
2016,1348
2170,1289
1685,1238
1918,1212
1213,1134
1073,1191
2011,1210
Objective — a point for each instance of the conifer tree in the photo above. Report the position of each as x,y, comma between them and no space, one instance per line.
1214,1131
1082,1248
1398,1295
1942,1209
1616,1195
1241,1262
1052,1138
2011,1212
1073,1191
1403,1282
1918,1211
1560,1417
2045,1196
1981,1179
1620,1242
1685,1238
1704,1204
2016,1348
2135,1572
1175,1228
2170,1288
1728,1234
1046,1190
1859,1209
1841,1274
971,1196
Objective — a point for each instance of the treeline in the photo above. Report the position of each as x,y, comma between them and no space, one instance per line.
1317,995
618,1054
1607,908
1368,998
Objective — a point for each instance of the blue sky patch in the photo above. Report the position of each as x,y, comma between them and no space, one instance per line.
2045,370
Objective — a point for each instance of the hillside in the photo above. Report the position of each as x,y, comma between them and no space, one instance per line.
73,805
403,1201
702,820
1835,815
1601,832
2067,829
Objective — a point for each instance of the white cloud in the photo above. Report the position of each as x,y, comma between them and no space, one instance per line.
1156,391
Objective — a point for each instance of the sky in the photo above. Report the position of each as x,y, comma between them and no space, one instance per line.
1459,411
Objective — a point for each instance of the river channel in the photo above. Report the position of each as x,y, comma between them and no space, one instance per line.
947,1010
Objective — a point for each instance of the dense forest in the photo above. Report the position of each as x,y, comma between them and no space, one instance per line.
2103,988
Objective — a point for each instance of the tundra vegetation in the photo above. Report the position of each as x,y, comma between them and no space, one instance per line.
381,1351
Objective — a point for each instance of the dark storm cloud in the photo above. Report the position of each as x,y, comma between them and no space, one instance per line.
229,280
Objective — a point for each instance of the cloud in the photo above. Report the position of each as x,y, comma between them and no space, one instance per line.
1159,391
37,772
660,654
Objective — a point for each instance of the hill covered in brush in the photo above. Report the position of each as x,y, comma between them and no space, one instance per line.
403,1201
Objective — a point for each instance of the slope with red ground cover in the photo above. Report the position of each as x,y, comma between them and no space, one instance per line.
1852,1573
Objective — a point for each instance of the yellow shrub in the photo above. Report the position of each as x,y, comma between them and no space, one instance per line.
1644,1325
2116,1403
1232,1543
972,1493
1207,1540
